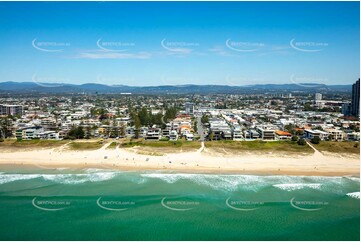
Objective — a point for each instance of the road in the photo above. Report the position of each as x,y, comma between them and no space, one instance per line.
200,129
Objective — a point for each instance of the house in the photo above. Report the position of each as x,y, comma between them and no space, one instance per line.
251,134
29,133
266,134
49,135
166,133
237,133
351,135
153,134
282,135
173,135
310,134
335,134
189,137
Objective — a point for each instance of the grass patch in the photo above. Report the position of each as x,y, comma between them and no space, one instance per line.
112,145
338,147
85,145
149,153
33,143
162,144
257,145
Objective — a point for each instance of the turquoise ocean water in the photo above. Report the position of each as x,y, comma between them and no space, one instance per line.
100,204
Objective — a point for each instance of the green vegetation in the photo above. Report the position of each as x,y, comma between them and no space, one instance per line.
170,144
278,146
5,127
294,138
301,142
145,118
338,147
204,119
32,143
315,140
76,133
85,145
112,145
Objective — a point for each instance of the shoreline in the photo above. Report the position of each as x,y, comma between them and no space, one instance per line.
208,171
202,161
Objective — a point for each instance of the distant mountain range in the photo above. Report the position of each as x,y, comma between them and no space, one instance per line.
34,87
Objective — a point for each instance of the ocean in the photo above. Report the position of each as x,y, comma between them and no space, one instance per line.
101,204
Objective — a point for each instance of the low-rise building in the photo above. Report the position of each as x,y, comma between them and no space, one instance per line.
310,134
282,135
29,133
266,134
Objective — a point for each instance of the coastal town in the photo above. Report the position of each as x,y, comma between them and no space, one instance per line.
267,117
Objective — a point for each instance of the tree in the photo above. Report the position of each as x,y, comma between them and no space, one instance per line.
301,142
76,132
290,128
294,138
315,140
195,128
5,127
211,136
204,119
88,132
137,125
122,130
170,113
300,132
144,116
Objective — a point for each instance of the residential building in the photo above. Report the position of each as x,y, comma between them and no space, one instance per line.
266,134
13,110
310,134
335,134
153,134
355,99
318,97
29,133
189,108
282,135
346,109
189,137
237,133
173,135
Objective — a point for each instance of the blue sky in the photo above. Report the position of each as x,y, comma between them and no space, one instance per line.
177,43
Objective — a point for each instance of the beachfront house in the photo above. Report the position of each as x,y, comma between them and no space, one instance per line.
173,135
29,133
52,135
310,134
282,135
153,134
189,137
237,133
335,134
266,134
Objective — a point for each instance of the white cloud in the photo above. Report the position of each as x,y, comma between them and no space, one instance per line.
112,55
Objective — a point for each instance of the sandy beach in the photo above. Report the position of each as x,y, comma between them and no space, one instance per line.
202,160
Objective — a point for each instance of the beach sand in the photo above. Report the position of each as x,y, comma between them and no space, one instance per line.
200,161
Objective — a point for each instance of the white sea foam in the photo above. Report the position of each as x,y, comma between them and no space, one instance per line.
354,195
224,182
298,186
60,178
357,179
6,178
79,178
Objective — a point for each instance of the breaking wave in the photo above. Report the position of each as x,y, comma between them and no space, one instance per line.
298,186
354,195
6,178
60,178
